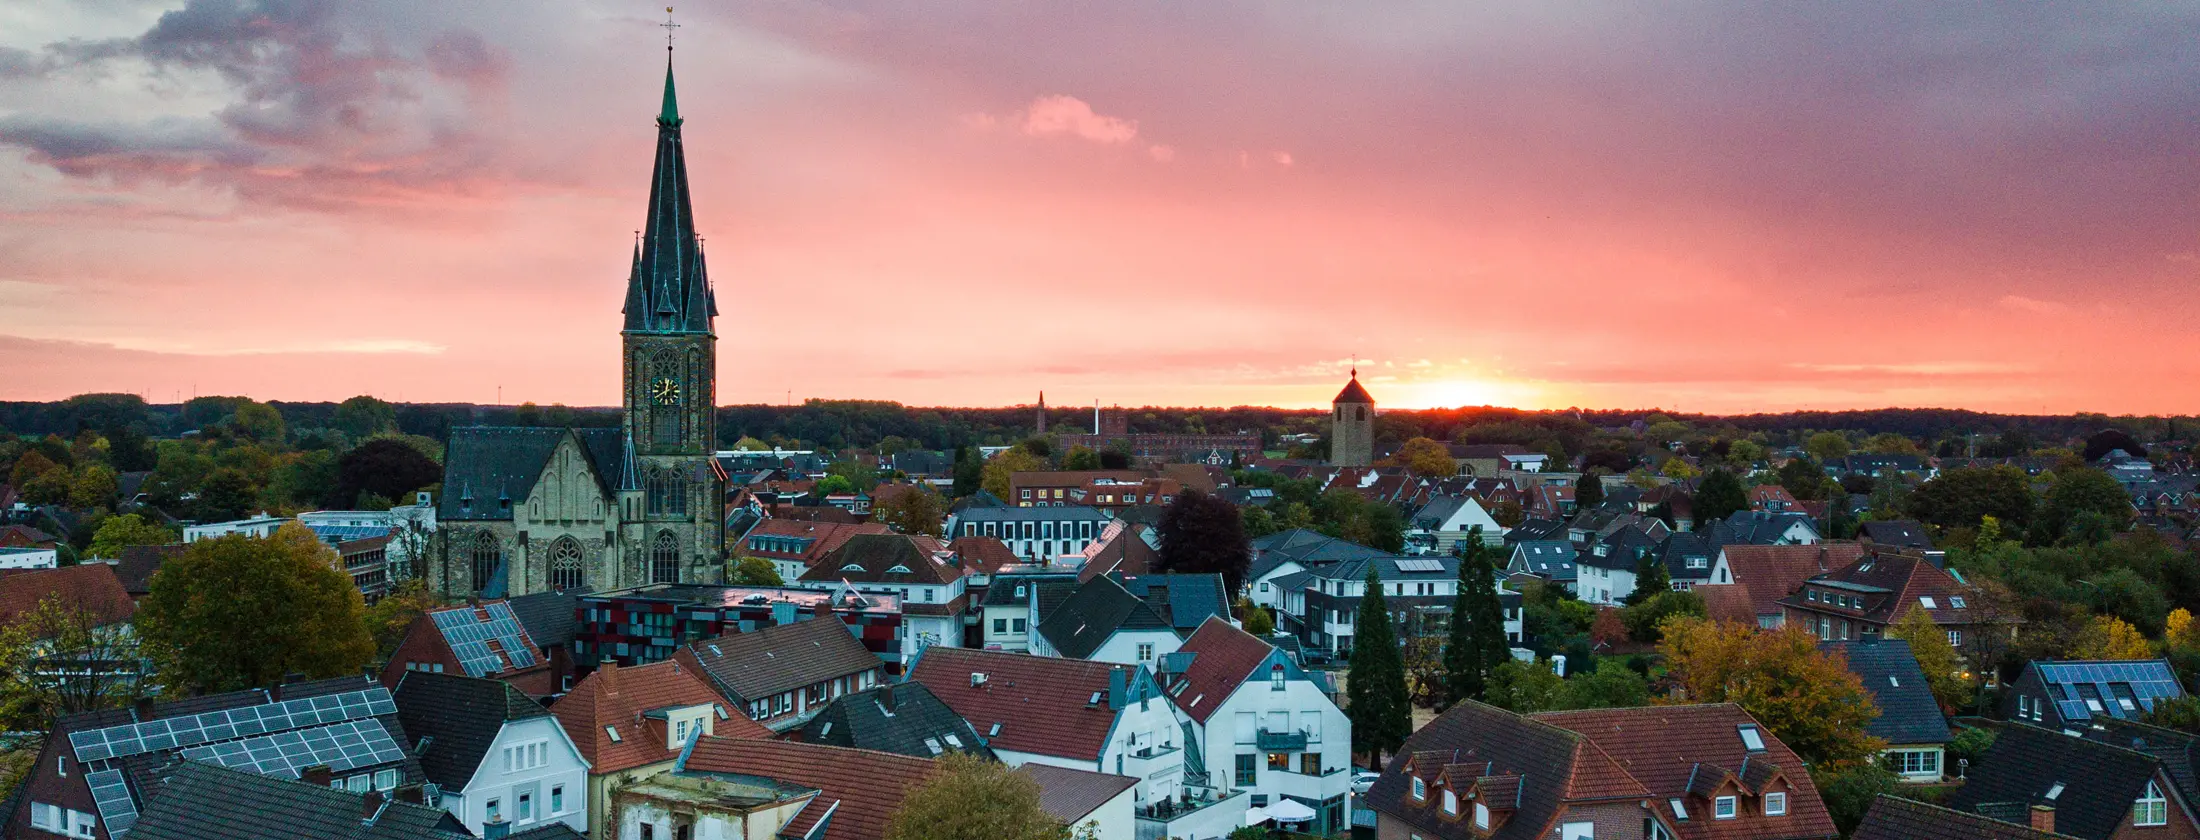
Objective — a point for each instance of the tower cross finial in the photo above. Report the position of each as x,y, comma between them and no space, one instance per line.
669,26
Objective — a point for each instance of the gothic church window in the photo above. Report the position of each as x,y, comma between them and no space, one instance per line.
664,559
667,492
486,556
565,564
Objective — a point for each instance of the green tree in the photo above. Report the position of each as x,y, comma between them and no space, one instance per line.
1477,644
129,529
911,509
1525,687
1589,492
1963,496
1942,665
93,486
971,798
1850,789
1719,496
832,485
390,617
1426,458
1891,443
1258,521
1203,534
749,444
1805,696
1375,686
1003,466
363,417
62,627
258,421
2078,491
753,571
226,494
1651,580
1803,478
1611,685
235,612
1645,621
969,472
1827,446
1080,458
1257,619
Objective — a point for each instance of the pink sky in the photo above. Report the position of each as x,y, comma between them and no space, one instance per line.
1719,208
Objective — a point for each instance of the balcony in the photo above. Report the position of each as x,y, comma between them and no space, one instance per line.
1292,741
1154,763
1314,788
1198,813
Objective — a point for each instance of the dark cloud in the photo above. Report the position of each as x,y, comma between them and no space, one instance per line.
321,112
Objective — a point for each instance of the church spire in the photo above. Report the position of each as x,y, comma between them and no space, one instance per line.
668,291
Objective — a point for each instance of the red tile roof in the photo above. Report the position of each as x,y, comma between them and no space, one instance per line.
1910,578
1666,748
867,785
91,586
1224,657
876,556
17,536
617,698
1772,572
984,554
824,536
1042,704
1762,494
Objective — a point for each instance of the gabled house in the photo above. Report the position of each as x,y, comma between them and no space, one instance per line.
1084,715
2073,694
793,545
1909,720
1124,548
1895,534
1102,803
1016,603
1748,582
781,676
1863,598
931,581
2178,750
487,640
1658,773
1756,527
1319,605
497,757
1550,560
1104,622
1183,600
903,718
1687,557
1772,498
2092,790
1894,818
742,788
1439,525
97,770
202,801
630,723
1260,724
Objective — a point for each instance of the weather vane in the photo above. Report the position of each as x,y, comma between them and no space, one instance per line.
669,26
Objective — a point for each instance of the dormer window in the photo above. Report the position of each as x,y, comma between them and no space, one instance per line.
1722,808
1481,816
1451,804
1776,804
2152,807
1420,790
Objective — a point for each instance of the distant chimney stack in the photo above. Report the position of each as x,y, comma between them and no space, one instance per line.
370,806
2043,818
495,830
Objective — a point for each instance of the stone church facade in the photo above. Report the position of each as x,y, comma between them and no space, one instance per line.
529,509
1352,426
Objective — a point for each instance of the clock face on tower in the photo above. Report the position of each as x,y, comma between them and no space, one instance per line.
664,391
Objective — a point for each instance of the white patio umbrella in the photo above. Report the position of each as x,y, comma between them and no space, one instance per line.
1255,816
1290,811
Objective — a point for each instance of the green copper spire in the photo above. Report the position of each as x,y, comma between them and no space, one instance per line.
671,113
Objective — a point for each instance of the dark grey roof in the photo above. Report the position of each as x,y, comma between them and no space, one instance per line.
1552,559
204,802
1756,527
1679,546
772,660
548,831
494,464
549,617
669,289
980,499
1907,712
2179,751
2099,782
1536,529
1072,795
458,717
916,721
1894,818
1311,548
1098,609
1052,588
1185,600
1386,568
1897,532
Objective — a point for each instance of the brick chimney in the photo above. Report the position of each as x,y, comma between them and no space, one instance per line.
318,775
2043,818
608,675
370,806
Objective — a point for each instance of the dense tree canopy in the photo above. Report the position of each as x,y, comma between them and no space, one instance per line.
384,467
235,612
1477,641
1203,534
129,529
1719,496
1961,496
1806,697
971,798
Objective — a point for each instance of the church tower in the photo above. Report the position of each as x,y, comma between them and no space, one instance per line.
669,353
1352,427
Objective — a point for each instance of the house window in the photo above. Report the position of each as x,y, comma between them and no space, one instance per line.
1275,678
359,784
526,807
2152,807
1722,808
1776,804
1145,651
557,799
1019,624
1279,761
494,811
1247,764
1955,638
1310,764
1420,790
1578,831
1916,762
385,780
1451,804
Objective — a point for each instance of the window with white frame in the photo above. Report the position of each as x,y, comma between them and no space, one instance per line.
1722,808
1451,803
385,780
1776,804
1955,638
1420,790
2152,807
527,756
557,799
1145,651
1916,762
1481,816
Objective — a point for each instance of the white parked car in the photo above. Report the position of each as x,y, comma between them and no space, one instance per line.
1363,780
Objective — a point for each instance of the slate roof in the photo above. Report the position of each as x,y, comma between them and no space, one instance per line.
1662,747
137,564
91,587
1894,818
1556,767
548,831
747,667
1184,600
1070,795
1552,559
2179,751
1901,533
1353,393
865,786
550,618
1536,529
916,721
1756,527
462,715
496,463
617,698
1222,658
2099,781
1051,589
1096,611
668,289
206,802
1042,704
1908,714
1679,546
1311,548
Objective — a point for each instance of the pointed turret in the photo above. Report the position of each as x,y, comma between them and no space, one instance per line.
669,291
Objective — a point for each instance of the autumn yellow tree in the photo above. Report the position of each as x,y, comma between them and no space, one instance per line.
2179,631
911,508
1805,696
1004,466
2109,637
1943,667
1426,458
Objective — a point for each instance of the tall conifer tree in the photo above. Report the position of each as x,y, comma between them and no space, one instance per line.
1477,644
1375,688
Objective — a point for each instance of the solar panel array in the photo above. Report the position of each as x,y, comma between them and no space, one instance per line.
340,747
229,724
469,638
1419,564
2149,681
117,811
